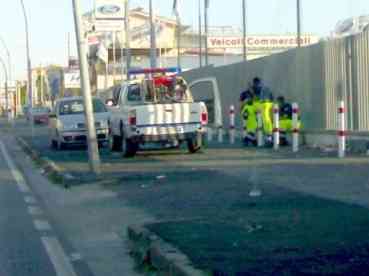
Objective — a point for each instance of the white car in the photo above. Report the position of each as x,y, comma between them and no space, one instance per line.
67,124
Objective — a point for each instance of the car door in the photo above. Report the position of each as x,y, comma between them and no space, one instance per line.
116,111
53,117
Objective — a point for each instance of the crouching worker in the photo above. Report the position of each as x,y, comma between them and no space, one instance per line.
285,121
249,115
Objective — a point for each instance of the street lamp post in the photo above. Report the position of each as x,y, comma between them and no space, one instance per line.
298,7
8,56
178,19
244,30
176,10
206,32
6,88
128,38
29,64
200,35
93,150
153,57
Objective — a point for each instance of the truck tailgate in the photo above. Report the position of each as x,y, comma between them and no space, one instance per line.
168,114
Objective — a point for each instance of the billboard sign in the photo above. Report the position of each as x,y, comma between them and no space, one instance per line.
73,63
140,35
72,79
109,10
351,26
108,25
271,42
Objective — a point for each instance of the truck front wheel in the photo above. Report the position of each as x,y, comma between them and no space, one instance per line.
194,144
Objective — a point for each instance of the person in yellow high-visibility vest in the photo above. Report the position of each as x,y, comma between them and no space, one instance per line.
263,101
285,121
249,115
267,116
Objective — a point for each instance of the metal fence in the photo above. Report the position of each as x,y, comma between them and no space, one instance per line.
316,77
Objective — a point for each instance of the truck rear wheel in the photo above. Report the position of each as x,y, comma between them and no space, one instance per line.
129,148
194,144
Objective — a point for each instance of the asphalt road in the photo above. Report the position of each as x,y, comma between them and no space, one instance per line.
27,242
174,185
48,230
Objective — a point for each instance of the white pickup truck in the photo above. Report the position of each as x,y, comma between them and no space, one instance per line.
159,110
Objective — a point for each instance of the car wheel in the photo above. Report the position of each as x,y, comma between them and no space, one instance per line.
129,148
115,143
194,144
59,144
53,144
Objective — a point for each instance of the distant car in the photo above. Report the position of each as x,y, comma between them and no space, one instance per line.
67,124
40,115
25,110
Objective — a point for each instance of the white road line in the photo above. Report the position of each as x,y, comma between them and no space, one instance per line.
34,210
42,225
59,259
23,187
30,200
62,265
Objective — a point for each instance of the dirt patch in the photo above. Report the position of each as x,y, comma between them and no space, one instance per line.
285,234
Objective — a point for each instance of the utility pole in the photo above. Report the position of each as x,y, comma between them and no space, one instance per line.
176,10
298,6
206,33
41,97
69,50
244,30
128,39
114,56
200,35
93,150
178,41
152,37
9,58
29,65
6,88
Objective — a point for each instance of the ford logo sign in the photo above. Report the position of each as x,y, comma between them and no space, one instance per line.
109,9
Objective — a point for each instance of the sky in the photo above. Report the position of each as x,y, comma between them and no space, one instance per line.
51,20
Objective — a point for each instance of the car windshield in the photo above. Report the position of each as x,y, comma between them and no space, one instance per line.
40,110
73,107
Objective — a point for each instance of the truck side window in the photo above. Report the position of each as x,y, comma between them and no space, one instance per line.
134,93
116,93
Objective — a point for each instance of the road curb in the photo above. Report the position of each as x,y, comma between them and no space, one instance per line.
49,167
148,248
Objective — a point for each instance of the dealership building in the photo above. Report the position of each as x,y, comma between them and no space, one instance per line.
107,43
